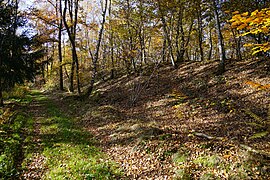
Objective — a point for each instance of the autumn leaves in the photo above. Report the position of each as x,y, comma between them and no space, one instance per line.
257,22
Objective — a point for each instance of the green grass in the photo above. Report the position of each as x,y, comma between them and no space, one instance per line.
207,161
70,151
19,94
13,133
15,127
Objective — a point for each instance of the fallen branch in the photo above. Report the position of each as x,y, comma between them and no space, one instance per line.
249,149
253,115
206,136
258,152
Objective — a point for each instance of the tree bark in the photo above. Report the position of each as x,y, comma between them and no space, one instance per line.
164,46
221,68
237,42
111,42
1,74
1,95
60,27
72,37
210,44
200,32
1,89
166,33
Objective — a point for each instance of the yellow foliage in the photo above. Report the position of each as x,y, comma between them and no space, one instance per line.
248,45
244,14
254,23
235,24
242,26
254,13
258,86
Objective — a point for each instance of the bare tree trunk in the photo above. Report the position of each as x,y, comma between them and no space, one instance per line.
221,68
111,42
71,77
210,44
142,34
200,32
95,58
1,66
131,46
164,50
60,27
72,37
52,58
1,95
1,89
166,33
179,31
181,37
237,42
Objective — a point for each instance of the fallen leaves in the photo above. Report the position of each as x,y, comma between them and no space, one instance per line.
154,139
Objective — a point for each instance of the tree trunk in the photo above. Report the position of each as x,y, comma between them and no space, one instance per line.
237,42
166,33
200,34
61,81
179,31
180,36
95,58
72,37
164,46
1,96
71,77
210,44
77,69
111,42
221,68
1,66
1,89
142,34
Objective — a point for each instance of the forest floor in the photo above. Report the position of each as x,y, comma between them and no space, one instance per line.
185,123
59,149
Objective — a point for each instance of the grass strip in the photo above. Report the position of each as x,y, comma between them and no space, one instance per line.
70,151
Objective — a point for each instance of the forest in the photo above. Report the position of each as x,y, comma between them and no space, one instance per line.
135,89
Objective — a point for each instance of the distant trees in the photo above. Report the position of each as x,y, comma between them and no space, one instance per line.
104,8
105,38
18,51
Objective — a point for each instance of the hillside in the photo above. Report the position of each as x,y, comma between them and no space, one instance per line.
185,122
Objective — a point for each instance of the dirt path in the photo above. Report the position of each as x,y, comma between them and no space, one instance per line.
35,165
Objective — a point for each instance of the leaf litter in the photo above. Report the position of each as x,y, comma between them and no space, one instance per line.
156,137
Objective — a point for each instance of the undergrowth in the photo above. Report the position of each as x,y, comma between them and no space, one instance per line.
15,126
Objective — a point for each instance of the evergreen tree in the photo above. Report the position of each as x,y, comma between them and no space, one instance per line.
17,50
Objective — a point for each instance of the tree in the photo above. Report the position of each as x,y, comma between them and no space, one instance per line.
257,22
18,52
96,54
71,25
60,28
161,8
221,48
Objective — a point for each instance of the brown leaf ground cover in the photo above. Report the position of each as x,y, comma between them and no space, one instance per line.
185,123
